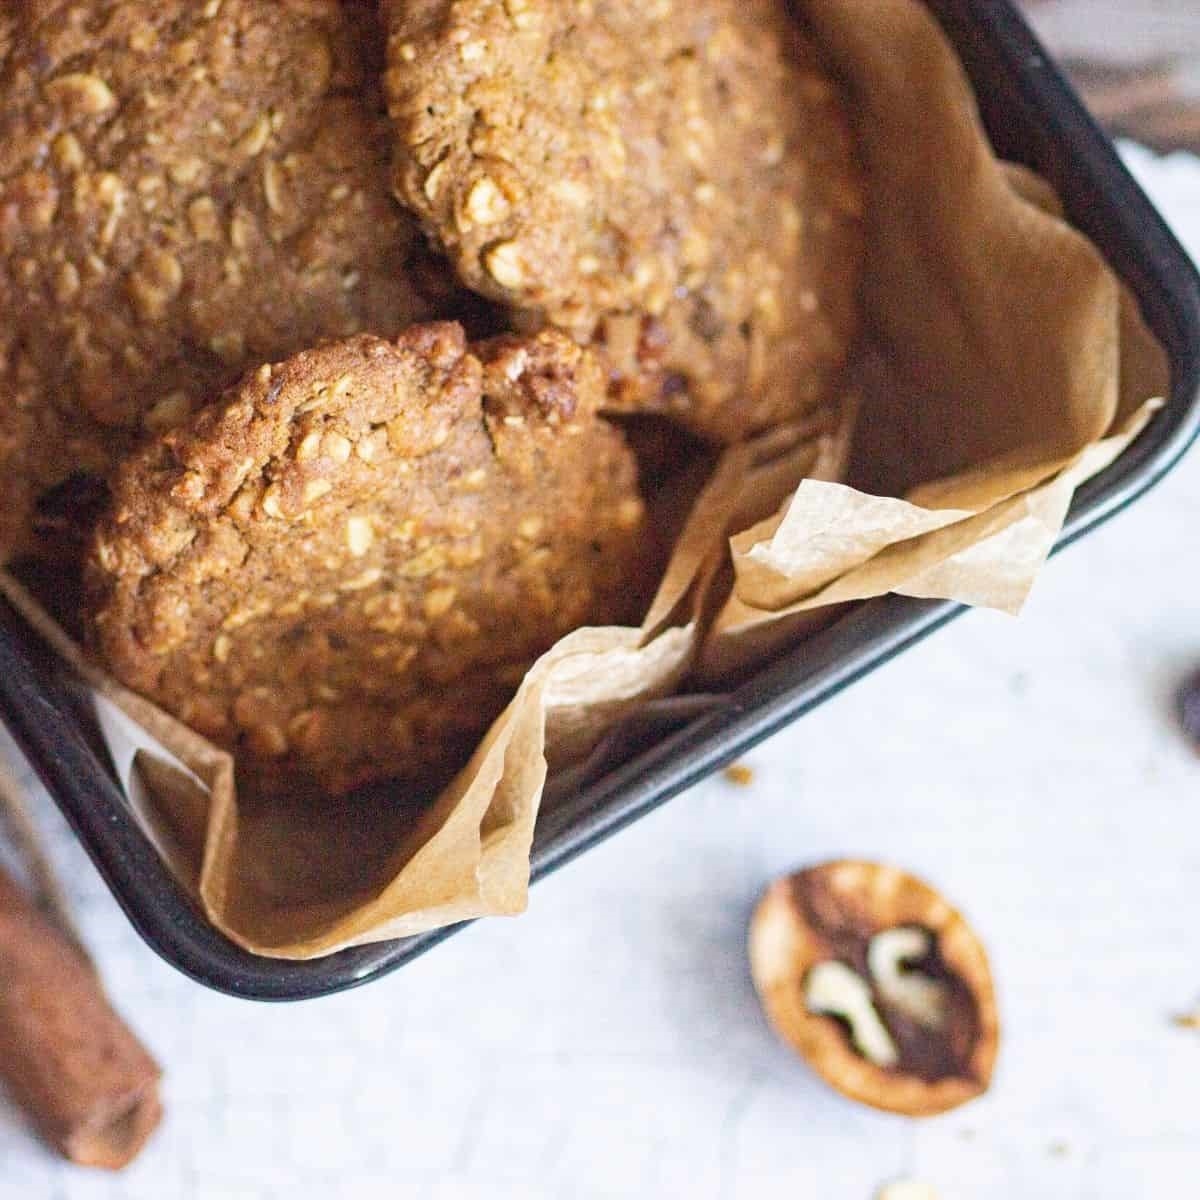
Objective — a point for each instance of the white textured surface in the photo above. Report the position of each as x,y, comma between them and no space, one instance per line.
608,1043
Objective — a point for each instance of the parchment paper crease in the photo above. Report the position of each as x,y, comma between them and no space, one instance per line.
1001,366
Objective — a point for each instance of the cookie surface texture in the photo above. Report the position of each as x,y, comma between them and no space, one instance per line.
187,189
342,569
673,180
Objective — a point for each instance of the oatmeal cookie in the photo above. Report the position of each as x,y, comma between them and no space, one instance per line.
674,179
342,569
187,189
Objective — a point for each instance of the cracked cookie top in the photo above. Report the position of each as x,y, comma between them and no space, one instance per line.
673,180
343,569
186,189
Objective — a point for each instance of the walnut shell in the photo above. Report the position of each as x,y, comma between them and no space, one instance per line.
830,913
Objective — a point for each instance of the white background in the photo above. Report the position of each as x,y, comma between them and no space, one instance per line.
608,1043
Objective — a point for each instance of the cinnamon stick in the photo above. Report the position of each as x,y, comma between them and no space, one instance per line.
66,1057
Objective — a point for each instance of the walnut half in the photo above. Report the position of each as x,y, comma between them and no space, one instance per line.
879,984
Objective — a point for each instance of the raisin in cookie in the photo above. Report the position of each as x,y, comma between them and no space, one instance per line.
342,570
672,178
187,189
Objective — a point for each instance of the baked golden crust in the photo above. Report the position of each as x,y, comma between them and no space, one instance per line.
186,189
672,179
343,569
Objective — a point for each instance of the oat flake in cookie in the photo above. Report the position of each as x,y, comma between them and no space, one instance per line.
187,189
673,178
342,570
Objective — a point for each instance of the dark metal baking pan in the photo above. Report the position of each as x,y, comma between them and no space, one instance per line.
1033,116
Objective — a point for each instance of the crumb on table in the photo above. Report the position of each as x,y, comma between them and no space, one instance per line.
739,774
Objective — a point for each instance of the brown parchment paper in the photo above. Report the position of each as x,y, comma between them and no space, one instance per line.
1003,363
1001,366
